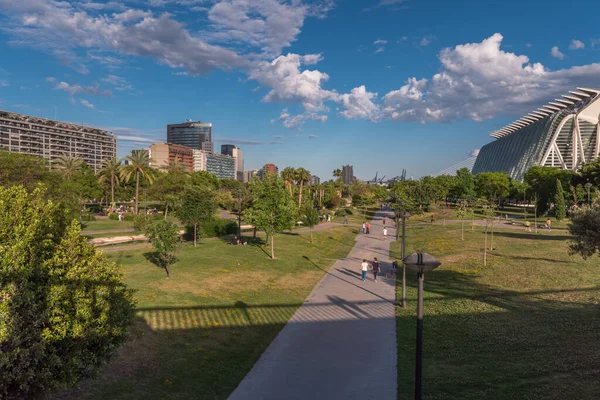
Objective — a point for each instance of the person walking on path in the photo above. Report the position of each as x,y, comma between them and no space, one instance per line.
432,218
364,227
345,220
368,227
364,268
383,221
376,268
549,224
384,233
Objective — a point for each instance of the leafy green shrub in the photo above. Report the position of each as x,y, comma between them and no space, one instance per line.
115,217
343,212
215,228
87,218
63,307
140,221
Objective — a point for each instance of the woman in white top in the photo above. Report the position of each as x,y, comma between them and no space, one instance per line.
365,267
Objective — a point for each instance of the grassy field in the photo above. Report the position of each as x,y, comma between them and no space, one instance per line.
103,223
527,326
198,333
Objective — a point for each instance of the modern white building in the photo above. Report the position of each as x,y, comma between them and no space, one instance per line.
563,134
238,155
51,139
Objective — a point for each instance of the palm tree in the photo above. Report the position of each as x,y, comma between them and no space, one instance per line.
302,176
110,171
289,177
337,173
175,166
68,165
138,165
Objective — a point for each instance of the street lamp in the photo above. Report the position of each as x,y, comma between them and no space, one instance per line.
240,191
420,263
588,186
145,205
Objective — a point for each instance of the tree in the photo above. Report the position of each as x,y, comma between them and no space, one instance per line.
289,178
176,166
560,209
273,210
302,176
68,165
489,215
63,307
197,206
590,172
337,174
167,188
542,180
464,209
310,218
165,237
585,227
110,172
138,166
492,185
464,184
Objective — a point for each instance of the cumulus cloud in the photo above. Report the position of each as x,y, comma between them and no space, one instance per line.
358,104
480,81
87,104
576,45
474,153
74,89
379,42
556,53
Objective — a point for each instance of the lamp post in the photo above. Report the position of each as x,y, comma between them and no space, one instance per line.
420,263
145,205
589,186
240,191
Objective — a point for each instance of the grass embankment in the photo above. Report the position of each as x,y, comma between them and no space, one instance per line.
525,326
198,333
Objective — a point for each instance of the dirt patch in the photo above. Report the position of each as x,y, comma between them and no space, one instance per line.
218,284
298,281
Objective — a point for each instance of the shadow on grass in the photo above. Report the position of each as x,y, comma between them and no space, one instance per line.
532,236
154,258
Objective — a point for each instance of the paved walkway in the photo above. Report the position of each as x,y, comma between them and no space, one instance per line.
341,344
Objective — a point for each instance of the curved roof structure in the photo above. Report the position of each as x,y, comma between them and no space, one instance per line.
562,134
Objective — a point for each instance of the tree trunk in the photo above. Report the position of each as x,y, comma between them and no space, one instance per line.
492,238
112,189
300,194
485,247
311,237
137,191
195,226
272,247
462,230
254,236
168,268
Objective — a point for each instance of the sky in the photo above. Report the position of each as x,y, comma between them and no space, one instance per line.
382,85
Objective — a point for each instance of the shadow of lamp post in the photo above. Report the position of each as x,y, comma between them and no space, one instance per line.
420,263
404,214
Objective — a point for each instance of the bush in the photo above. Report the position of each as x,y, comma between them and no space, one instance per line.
63,308
115,217
140,221
343,212
214,228
87,218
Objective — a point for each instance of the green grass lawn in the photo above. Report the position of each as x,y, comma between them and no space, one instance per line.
103,223
527,326
198,333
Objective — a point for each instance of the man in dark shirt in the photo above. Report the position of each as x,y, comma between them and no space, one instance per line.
376,268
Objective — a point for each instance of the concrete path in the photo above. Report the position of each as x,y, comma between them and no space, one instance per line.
341,344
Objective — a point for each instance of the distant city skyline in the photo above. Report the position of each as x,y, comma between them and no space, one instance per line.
418,87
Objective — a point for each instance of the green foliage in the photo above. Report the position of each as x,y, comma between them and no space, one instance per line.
197,207
214,228
560,208
63,308
342,212
310,218
273,209
204,179
492,186
542,181
68,165
138,169
585,227
141,221
464,184
590,172
165,237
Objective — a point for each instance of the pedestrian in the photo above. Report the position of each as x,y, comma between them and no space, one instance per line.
364,268
384,234
383,221
432,218
364,227
345,220
549,224
527,226
328,217
376,268
368,227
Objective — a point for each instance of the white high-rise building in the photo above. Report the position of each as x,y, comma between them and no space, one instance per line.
238,155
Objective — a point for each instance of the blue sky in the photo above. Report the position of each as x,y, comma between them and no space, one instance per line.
382,85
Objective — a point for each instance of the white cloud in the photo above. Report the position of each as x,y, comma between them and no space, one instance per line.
556,53
79,89
379,50
480,81
474,153
87,104
118,82
358,104
426,41
380,42
312,136
576,45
